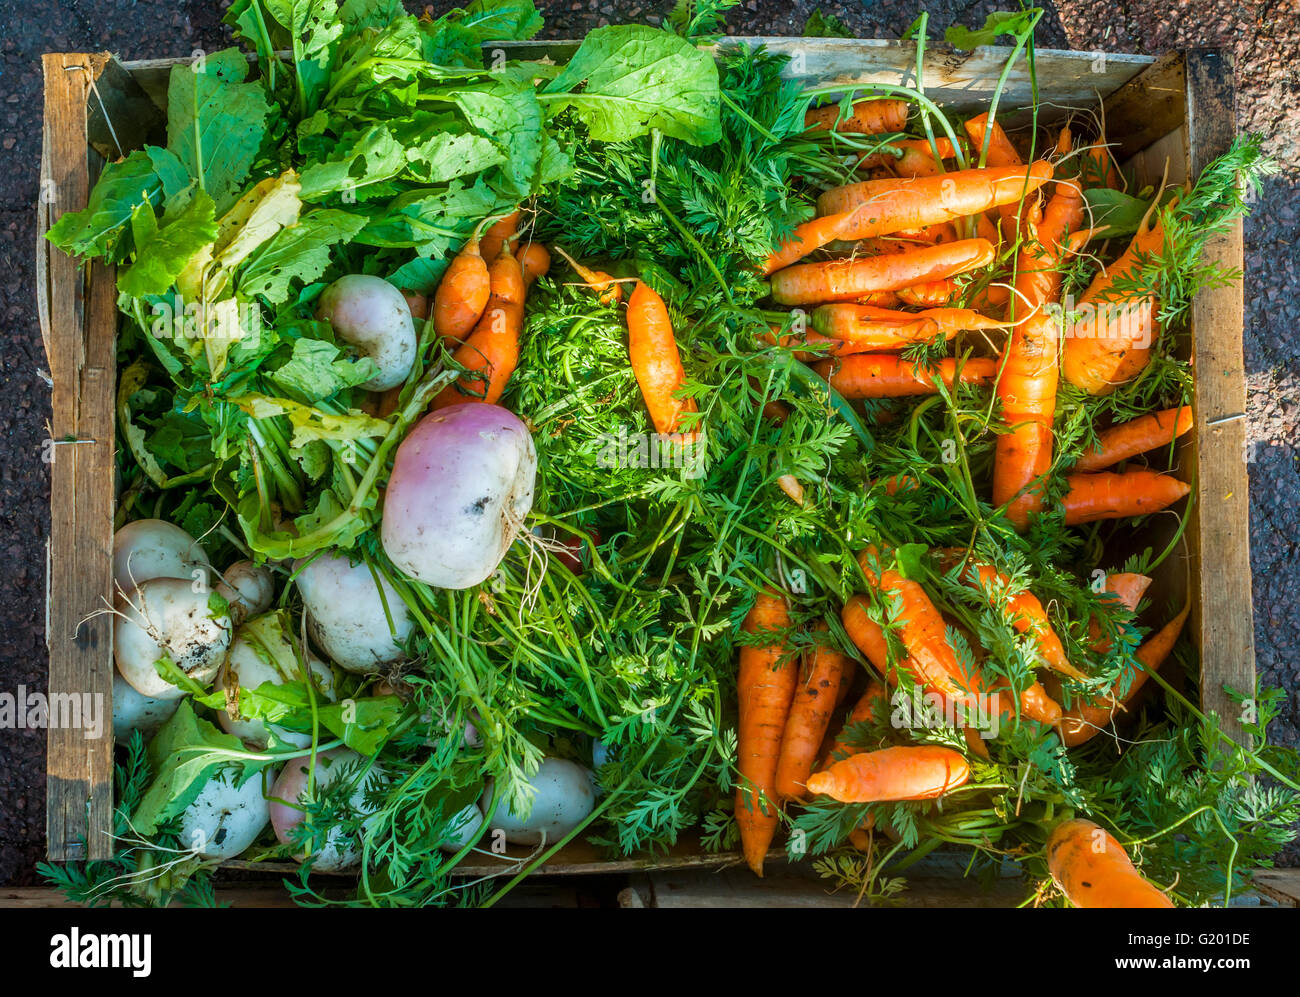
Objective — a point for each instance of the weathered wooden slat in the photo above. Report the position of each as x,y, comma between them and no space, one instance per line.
1282,886
1147,107
80,330
1219,534
120,115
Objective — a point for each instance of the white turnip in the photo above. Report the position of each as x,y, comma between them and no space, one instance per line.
154,548
371,315
461,486
132,711
345,613
225,819
248,587
168,617
336,850
564,794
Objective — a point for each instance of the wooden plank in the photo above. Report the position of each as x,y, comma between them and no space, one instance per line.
80,344
1280,885
1149,106
120,115
739,888
1222,622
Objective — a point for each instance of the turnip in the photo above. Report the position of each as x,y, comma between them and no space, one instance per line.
345,613
154,548
225,819
564,794
259,654
338,850
169,617
370,314
132,711
461,486
248,587
462,828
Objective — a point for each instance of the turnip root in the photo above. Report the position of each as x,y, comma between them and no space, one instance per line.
461,486
462,829
225,819
260,653
171,617
337,851
345,614
370,314
154,548
248,587
132,711
564,796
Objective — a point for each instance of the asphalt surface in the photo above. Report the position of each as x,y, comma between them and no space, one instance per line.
1264,39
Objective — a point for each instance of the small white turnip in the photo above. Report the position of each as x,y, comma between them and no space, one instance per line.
371,315
132,711
225,819
248,587
171,617
564,795
154,548
337,850
345,613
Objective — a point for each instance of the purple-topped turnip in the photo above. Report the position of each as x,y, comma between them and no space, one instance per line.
461,486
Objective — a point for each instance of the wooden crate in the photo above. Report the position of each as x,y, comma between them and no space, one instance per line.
1179,106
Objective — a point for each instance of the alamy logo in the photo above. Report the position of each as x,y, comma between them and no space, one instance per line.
25,710
93,951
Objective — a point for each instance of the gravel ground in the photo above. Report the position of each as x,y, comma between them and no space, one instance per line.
1267,48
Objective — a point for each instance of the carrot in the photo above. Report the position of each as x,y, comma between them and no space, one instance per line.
850,279
463,292
498,234
931,294
810,715
1047,235
607,287
1027,387
1093,870
656,361
873,116
1021,609
917,154
884,375
1106,346
1137,436
808,238
492,349
534,260
921,772
863,710
1108,495
915,203
1081,722
1000,150
852,322
878,299
1098,169
418,304
764,689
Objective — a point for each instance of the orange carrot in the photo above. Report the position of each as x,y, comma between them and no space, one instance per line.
917,156
1082,721
462,293
873,116
921,772
492,348
607,287
1027,387
808,238
1000,151
1108,495
1098,169
498,234
810,715
418,304
915,203
852,322
656,361
534,260
1111,342
1046,244
1137,436
764,689
1022,610
884,375
863,710
850,279
1093,870
931,294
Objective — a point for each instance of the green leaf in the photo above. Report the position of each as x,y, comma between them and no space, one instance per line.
313,424
446,156
430,223
318,370
216,122
996,24
628,79
821,25
373,157
184,754
1120,214
499,20
420,275
357,15
122,187
509,113
363,724
299,252
161,252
